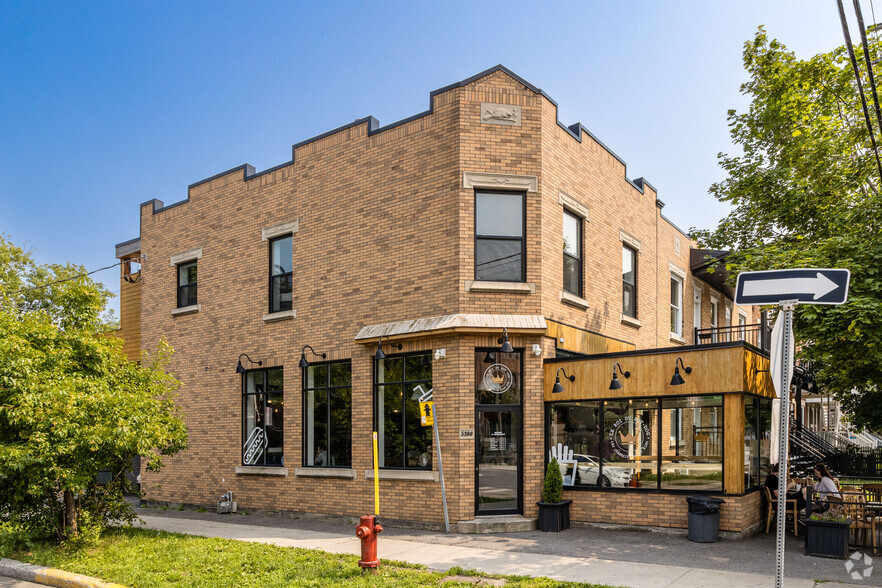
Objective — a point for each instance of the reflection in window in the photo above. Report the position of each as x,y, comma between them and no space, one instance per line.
327,413
499,236
693,458
281,273
629,282
399,382
187,284
676,305
262,417
757,440
630,429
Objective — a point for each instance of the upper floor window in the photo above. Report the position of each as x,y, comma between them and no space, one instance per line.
676,306
499,236
281,273
187,284
399,381
327,414
629,281
572,253
262,417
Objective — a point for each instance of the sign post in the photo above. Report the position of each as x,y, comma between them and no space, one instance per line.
787,288
428,418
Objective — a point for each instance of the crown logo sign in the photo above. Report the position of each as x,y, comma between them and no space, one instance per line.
498,378
632,439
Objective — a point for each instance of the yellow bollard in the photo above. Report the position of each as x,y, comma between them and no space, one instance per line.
376,478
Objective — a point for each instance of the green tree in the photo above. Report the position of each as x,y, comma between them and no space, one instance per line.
804,192
71,405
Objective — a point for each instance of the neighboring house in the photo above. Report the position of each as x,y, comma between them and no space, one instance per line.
438,233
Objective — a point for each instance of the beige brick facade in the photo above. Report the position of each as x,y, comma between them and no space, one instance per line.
385,232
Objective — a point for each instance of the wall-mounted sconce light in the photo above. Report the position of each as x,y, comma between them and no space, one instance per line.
615,384
506,346
379,354
440,353
557,387
239,368
678,380
303,362
537,349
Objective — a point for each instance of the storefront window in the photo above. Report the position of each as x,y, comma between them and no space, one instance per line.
692,443
757,440
327,414
630,429
399,382
497,377
262,417
576,425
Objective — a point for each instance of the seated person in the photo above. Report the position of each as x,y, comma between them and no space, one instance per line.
825,487
792,493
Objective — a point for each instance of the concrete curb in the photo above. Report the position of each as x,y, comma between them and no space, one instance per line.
50,576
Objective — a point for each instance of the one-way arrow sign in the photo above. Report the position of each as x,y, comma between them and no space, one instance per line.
806,286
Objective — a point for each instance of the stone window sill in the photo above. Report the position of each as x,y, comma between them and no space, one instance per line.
260,471
573,300
502,287
631,322
412,475
186,310
677,338
283,315
320,472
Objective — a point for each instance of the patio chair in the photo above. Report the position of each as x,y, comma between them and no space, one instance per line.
873,492
772,505
862,521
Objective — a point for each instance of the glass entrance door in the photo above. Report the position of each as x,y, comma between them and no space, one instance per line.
498,461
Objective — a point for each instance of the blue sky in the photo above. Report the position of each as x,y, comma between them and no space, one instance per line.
108,104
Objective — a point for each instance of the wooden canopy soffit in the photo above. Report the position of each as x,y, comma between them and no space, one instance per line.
454,323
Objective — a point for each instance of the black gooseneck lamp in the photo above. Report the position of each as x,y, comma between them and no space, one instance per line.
506,345
678,380
239,368
615,384
379,354
557,387
303,362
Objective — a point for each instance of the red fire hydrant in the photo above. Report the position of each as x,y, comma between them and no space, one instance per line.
367,531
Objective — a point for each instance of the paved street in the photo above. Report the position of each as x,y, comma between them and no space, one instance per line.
13,583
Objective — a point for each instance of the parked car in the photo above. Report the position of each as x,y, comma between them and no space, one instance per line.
589,467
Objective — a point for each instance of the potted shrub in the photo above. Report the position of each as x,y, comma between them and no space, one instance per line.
826,535
554,511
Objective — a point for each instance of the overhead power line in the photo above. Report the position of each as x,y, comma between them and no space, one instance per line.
78,276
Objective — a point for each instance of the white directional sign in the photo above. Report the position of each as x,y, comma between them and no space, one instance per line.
807,286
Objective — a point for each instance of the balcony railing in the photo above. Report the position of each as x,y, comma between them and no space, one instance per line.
758,335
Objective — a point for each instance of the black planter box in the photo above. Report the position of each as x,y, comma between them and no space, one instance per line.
827,538
554,516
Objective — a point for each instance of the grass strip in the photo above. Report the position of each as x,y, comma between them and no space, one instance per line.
143,558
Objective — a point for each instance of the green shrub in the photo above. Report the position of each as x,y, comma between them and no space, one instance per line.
552,489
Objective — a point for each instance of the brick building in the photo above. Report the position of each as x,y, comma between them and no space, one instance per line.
483,215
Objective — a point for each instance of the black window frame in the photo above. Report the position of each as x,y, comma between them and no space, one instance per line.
273,277
522,239
579,262
626,285
657,487
403,383
265,392
328,389
182,288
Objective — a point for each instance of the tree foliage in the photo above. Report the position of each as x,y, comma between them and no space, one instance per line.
71,405
804,192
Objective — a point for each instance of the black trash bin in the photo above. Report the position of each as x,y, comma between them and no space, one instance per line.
704,518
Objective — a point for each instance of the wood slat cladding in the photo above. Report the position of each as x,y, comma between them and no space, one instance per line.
733,443
714,371
582,341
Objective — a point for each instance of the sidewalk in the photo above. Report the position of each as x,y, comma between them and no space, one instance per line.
442,552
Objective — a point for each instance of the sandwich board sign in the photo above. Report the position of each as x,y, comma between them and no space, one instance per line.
788,288
805,286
